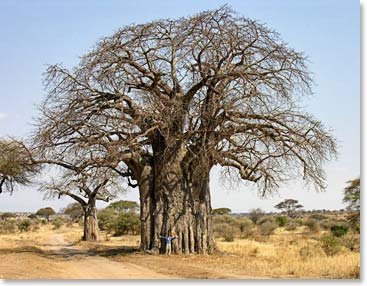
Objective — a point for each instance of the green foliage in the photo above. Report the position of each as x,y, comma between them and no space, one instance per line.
74,210
339,230
107,219
290,206
24,225
126,223
281,220
352,194
221,211
120,217
124,206
33,216
46,212
267,228
331,245
227,226
256,214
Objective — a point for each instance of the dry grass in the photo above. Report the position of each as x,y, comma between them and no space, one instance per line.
295,254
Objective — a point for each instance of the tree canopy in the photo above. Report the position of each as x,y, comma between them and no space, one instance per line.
163,102
16,165
290,206
352,194
221,211
224,85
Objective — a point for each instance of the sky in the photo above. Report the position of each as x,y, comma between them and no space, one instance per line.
35,34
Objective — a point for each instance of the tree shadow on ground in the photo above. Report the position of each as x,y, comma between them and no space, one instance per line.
71,253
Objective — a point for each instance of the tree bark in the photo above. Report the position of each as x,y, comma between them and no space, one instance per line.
176,199
91,230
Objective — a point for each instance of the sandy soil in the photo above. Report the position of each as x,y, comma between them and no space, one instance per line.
49,254
57,258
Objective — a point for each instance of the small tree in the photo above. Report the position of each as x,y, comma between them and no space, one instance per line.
290,206
352,195
127,220
74,210
256,214
353,200
221,211
46,212
7,215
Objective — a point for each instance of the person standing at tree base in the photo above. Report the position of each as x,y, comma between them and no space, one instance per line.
168,240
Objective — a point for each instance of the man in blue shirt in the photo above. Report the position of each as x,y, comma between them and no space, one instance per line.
168,240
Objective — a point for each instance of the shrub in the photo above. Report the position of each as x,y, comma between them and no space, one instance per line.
8,226
331,245
229,235
326,224
256,214
127,223
352,242
33,216
312,224
266,219
339,230
267,228
7,215
291,226
107,219
246,227
57,223
281,220
24,225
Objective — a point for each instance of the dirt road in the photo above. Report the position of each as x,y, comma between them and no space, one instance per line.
61,259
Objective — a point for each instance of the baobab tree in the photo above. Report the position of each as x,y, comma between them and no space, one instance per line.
86,187
161,103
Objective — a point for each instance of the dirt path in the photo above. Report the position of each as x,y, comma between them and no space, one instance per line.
60,259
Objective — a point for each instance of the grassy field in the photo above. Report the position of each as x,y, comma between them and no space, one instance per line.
59,253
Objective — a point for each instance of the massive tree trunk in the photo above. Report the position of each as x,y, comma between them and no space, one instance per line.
91,230
176,199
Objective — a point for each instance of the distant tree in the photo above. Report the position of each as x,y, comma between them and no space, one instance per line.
32,216
290,206
352,195
16,165
221,211
352,198
7,215
46,212
256,214
121,217
74,210
124,206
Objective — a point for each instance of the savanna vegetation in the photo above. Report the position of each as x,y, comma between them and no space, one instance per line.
154,107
